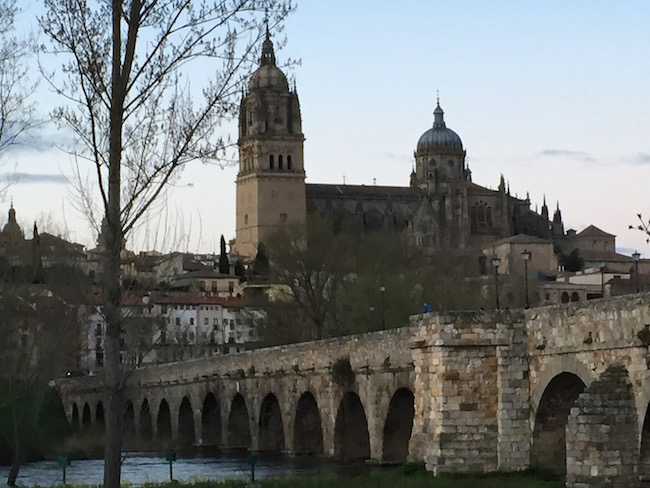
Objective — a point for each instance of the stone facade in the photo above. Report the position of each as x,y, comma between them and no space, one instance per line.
441,208
271,178
598,433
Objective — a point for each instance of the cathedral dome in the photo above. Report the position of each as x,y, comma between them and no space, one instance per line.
439,138
268,75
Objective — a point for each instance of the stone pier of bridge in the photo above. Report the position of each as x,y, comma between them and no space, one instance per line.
562,388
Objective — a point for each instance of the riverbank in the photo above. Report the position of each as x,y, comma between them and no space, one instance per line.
409,476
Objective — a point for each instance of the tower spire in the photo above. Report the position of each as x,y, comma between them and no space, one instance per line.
438,114
268,55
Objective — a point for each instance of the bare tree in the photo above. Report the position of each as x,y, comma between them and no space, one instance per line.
17,113
310,269
40,334
643,226
127,77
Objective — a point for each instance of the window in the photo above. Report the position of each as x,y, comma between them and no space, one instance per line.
283,217
289,165
98,329
191,320
206,321
271,162
245,222
178,321
231,286
163,336
280,162
216,321
99,358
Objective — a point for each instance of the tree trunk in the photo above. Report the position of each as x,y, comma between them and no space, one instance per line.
18,453
112,292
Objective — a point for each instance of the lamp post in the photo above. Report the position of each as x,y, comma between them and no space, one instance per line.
382,289
496,262
525,255
601,265
636,256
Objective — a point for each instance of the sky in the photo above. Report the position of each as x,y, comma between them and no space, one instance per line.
554,95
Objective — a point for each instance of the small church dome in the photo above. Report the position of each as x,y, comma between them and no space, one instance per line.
268,75
439,138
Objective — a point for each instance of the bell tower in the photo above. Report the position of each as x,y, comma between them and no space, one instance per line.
271,177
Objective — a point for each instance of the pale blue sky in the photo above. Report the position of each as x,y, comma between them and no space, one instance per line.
553,94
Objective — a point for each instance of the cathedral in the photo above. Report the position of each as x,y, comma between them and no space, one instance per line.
442,208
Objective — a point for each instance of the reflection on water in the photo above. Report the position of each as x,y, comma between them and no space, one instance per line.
139,468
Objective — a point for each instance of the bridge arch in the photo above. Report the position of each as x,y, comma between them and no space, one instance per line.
351,437
86,418
239,431
643,407
146,424
271,427
548,449
566,364
398,426
185,424
308,426
211,421
100,421
128,421
74,417
164,422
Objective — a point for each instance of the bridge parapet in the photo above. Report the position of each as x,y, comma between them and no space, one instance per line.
611,323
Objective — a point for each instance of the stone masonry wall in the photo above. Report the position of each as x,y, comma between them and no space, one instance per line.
602,433
468,401
513,407
366,352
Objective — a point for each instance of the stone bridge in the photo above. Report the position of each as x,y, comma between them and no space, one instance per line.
564,388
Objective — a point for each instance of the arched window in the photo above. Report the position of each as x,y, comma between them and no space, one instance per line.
289,165
280,162
271,162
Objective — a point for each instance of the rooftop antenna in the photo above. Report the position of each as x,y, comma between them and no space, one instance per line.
374,181
344,179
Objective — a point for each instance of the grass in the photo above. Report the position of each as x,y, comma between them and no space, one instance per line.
409,476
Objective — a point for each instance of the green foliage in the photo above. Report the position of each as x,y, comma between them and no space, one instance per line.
386,362
407,476
261,265
644,335
224,264
572,262
342,373
333,282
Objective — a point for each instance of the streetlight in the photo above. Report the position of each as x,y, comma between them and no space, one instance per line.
601,265
525,255
636,256
382,289
496,262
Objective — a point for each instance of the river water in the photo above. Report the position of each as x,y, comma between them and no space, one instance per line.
139,468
